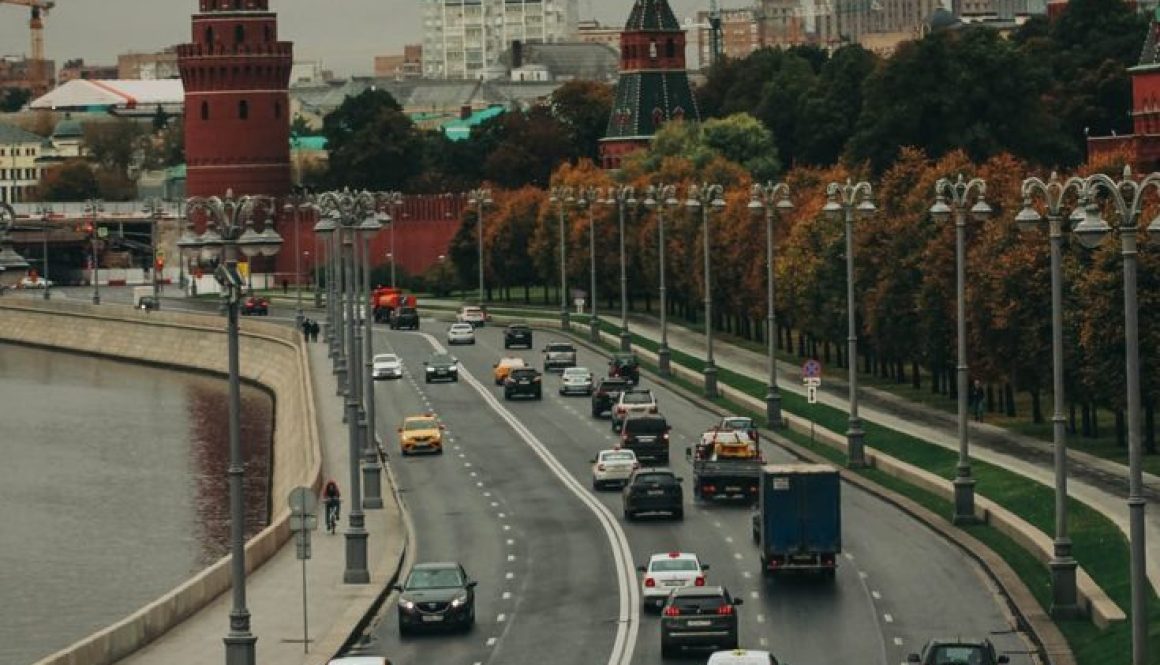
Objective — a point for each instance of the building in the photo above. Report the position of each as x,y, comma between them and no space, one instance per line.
653,87
18,73
1142,147
740,34
21,163
148,66
839,22
115,97
406,65
77,69
561,61
463,39
780,22
592,32
236,74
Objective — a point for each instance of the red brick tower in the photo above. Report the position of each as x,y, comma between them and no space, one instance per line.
237,117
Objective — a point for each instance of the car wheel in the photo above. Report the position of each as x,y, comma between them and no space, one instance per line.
679,514
596,484
427,379
403,630
595,412
506,345
507,395
629,515
539,395
455,379
667,650
829,574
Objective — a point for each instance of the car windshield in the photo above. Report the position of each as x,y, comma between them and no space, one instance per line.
656,479
424,423
434,578
613,384
689,604
441,359
462,327
959,654
624,360
577,373
638,398
618,456
560,347
646,425
518,327
738,423
387,358
674,565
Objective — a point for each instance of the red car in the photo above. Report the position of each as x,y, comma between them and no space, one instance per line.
255,306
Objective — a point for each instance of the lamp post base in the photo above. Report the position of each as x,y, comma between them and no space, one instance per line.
965,501
711,381
625,341
372,485
855,445
96,299
340,372
664,360
594,330
47,296
317,300
1064,604
356,553
773,408
565,320
240,644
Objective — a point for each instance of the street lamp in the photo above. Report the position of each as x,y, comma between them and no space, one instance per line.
297,202
9,258
392,200
326,227
479,198
707,197
622,196
589,197
1127,197
562,196
770,198
372,495
44,211
349,209
846,200
959,193
153,207
229,227
1063,586
662,198
93,208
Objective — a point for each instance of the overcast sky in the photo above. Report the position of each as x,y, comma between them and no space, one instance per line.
344,34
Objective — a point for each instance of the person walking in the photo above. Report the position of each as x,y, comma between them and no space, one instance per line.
314,329
332,498
977,398
306,330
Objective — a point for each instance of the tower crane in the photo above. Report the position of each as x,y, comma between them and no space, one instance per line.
714,32
37,75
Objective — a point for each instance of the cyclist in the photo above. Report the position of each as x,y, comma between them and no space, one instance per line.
333,499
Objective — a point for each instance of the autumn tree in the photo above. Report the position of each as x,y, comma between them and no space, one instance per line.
73,180
584,107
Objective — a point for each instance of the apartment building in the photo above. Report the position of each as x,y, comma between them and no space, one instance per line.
19,168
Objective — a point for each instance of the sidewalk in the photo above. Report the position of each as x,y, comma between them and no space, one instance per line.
1100,483
274,591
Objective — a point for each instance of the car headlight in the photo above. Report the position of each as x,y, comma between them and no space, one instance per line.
406,604
459,600
430,369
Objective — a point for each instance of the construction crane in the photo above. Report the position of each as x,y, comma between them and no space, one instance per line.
714,33
37,75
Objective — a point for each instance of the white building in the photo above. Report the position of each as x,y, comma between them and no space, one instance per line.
21,163
463,37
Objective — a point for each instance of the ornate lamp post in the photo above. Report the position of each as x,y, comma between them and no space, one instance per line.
93,208
9,258
562,196
480,198
846,200
1127,198
770,198
662,199
589,198
230,228
623,196
154,208
44,211
326,226
297,202
959,193
1063,587
392,200
707,197
372,496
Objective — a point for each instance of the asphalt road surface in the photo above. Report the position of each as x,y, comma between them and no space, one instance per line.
510,499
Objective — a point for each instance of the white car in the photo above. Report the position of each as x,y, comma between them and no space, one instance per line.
473,315
360,660
613,467
634,400
461,333
387,366
576,380
668,571
742,657
33,283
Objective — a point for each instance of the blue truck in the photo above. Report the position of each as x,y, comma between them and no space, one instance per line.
798,521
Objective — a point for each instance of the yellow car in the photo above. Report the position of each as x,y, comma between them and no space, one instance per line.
421,434
505,366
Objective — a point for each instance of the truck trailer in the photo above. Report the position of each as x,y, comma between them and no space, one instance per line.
798,521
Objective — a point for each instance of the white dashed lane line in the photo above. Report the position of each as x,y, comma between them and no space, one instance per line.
887,618
898,641
876,595
491,641
509,576
501,618
507,595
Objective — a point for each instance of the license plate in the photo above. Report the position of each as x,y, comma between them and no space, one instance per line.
674,583
655,493
646,439
433,618
524,382
696,623
732,489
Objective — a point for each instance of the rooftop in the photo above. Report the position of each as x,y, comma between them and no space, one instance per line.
119,93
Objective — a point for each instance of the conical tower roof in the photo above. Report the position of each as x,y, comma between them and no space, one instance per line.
652,16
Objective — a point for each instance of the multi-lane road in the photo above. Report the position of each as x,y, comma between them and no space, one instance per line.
511,499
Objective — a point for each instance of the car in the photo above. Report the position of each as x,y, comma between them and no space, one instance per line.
359,660
436,595
461,333
668,571
473,315
699,616
404,317
613,466
631,401
958,651
576,380
646,435
653,490
256,306
523,382
504,366
441,367
559,355
742,657
386,366
626,365
606,392
34,283
422,433
517,334
148,303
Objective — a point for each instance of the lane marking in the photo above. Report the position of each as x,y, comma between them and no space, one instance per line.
746,574
467,465
511,542
474,474
898,641
862,574
509,576
760,618
479,484
501,618
501,515
717,524
507,595
507,527
764,642
729,539
511,557
495,504
737,555
888,618
849,557
488,494
876,595
491,641
753,595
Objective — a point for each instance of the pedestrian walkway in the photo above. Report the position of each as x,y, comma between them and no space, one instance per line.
1100,483
274,591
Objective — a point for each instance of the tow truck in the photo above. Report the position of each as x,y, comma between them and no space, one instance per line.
726,465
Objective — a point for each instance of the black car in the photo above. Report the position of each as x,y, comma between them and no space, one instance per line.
647,435
958,652
625,365
517,334
699,617
606,392
441,367
255,306
405,317
148,303
653,490
436,595
523,382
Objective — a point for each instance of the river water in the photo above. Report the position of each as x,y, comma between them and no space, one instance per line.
113,479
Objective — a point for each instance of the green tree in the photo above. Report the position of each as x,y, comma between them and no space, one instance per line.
829,110
584,106
372,144
528,147
743,140
112,144
14,99
778,106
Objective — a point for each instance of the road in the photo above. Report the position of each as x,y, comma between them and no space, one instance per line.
548,581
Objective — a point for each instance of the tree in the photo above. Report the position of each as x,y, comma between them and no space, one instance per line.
73,180
743,140
372,143
528,146
14,99
829,110
778,106
113,144
584,106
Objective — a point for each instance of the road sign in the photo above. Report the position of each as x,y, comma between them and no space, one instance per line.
811,394
811,369
303,510
102,232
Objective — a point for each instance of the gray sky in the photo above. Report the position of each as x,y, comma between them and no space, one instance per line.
344,34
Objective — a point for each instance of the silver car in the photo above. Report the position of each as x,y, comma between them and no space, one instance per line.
576,381
613,467
387,366
461,333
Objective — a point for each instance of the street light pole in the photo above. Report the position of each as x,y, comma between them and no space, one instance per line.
1126,196
372,485
1064,603
94,207
959,192
393,200
705,197
230,228
153,207
562,196
589,198
771,198
662,198
480,198
45,212
623,196
298,201
844,201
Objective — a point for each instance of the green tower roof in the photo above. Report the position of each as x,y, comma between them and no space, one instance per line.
652,16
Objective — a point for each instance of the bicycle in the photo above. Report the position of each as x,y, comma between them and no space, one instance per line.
332,514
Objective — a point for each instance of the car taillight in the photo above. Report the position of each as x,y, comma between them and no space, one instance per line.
700,581
725,610
600,467
672,611
708,489
650,582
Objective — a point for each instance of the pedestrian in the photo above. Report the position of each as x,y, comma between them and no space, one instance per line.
332,499
314,328
285,286
977,398
306,330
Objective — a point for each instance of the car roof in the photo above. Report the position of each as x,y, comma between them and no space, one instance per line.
654,469
424,416
958,641
620,451
561,345
436,565
513,360
518,324
386,356
360,660
577,370
460,324
740,657
694,591
666,556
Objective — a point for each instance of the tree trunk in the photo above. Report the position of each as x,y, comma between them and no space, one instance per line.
1121,430
952,384
801,344
900,376
1009,399
1036,407
915,375
934,379
867,362
838,355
